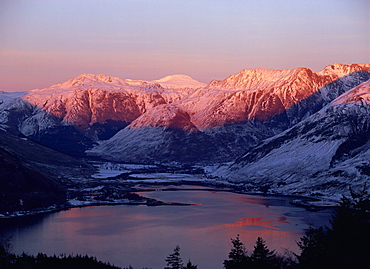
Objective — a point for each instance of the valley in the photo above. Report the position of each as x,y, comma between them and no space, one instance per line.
184,134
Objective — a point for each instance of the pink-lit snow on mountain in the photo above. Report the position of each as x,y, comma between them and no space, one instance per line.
179,81
252,94
320,156
359,95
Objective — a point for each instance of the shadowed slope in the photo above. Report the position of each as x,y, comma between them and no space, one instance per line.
327,152
33,176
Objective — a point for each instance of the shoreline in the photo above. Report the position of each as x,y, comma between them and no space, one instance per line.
309,203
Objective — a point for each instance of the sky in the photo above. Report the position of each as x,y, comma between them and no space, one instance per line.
44,42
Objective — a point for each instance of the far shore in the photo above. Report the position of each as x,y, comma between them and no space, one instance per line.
309,203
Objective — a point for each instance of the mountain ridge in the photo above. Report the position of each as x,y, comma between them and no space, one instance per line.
230,113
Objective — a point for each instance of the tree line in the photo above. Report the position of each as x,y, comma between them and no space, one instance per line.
345,244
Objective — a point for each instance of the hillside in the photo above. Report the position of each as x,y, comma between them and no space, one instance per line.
320,156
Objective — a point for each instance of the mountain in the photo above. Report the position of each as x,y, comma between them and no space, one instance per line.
283,131
225,118
71,116
320,156
179,81
174,118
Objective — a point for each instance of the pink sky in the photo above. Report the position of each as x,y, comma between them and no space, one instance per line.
46,42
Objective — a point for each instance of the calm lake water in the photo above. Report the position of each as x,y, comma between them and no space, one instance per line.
144,236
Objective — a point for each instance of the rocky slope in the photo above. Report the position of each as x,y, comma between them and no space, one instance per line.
321,156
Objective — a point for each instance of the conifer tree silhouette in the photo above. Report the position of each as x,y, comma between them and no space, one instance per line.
174,260
262,257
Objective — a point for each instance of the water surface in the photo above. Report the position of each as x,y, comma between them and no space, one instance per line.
143,236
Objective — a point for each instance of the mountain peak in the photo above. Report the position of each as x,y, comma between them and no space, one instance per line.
178,81
344,69
89,79
259,78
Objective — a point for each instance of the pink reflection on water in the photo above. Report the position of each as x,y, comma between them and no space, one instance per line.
143,236
75,213
253,222
273,231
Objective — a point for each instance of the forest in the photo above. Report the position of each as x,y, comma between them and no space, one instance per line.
344,244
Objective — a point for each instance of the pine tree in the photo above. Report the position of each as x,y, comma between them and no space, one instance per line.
237,256
174,260
5,247
348,239
189,265
346,244
262,257
312,248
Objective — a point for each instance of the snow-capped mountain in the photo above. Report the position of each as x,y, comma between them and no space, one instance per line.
174,118
179,81
320,156
231,115
70,116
